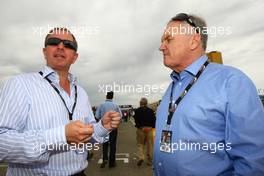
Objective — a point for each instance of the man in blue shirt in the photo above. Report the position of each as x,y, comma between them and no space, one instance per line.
46,121
109,106
210,120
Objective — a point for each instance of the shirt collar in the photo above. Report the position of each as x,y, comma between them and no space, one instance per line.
109,100
191,69
52,74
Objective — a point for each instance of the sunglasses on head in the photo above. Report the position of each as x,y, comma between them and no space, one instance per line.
66,43
186,18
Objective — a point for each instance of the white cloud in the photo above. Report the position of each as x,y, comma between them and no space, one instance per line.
125,49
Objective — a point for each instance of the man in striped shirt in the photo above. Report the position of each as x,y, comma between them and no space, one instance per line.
46,121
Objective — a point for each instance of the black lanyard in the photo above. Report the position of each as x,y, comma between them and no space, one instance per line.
172,107
57,90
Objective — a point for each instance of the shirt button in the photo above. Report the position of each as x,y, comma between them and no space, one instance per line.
160,164
180,83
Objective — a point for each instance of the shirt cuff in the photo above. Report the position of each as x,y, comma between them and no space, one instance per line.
55,136
99,132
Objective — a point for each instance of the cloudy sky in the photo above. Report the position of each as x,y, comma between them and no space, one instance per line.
119,40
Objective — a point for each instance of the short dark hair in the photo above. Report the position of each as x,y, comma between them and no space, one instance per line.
57,30
110,95
143,102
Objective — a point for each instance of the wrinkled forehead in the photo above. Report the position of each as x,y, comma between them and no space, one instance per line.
174,28
174,24
168,29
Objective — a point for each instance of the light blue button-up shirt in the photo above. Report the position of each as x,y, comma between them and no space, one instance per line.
218,127
32,126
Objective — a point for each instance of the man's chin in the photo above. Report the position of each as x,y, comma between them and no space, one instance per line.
165,63
59,66
169,65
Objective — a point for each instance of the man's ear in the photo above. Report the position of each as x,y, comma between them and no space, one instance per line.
75,57
44,53
195,41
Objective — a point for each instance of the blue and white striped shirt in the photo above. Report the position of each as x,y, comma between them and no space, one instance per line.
33,118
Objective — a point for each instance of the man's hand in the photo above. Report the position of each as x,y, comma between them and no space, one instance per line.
111,120
78,132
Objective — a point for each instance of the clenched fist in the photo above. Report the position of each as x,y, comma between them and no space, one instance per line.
111,120
78,132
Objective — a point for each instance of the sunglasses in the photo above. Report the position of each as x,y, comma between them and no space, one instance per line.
186,18
66,43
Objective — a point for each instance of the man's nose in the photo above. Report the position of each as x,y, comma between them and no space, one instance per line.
162,46
60,45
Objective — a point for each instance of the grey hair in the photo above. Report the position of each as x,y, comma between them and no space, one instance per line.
201,28
201,25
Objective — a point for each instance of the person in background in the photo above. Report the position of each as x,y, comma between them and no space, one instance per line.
145,121
104,108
